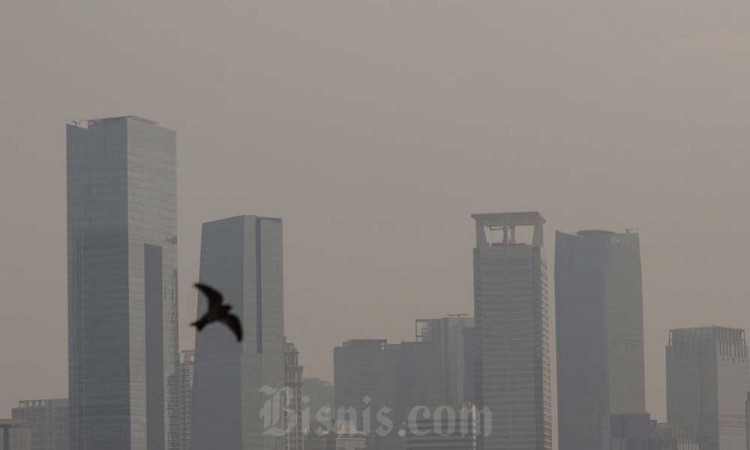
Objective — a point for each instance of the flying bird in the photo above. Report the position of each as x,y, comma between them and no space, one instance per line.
218,311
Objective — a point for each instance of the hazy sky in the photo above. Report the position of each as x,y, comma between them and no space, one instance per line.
374,128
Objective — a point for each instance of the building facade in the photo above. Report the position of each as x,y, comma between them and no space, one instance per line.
47,421
708,379
629,432
599,326
666,437
14,435
181,403
321,395
344,437
238,386
122,282
512,322
453,428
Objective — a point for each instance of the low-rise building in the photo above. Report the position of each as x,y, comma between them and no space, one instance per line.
47,421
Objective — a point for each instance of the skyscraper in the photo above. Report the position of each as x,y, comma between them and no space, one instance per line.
707,383
47,421
512,321
599,318
241,257
122,282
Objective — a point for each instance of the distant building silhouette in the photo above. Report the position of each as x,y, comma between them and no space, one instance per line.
47,421
321,396
456,344
629,432
370,375
122,282
512,322
363,378
640,432
599,324
238,386
707,383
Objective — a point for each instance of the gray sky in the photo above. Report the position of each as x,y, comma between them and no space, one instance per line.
374,128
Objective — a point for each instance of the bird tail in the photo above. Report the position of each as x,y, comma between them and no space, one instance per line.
199,324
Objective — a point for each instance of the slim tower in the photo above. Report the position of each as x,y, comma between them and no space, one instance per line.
511,314
599,318
236,383
295,438
122,282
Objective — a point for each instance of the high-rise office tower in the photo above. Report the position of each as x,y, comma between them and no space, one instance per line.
453,337
512,321
47,421
181,403
599,318
238,386
295,437
707,383
122,282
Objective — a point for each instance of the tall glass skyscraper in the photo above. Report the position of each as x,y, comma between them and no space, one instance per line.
512,325
237,386
122,282
599,324
708,379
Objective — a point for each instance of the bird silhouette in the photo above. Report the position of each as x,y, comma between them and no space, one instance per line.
218,311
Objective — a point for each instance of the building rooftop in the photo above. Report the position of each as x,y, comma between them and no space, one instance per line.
710,333
93,122
509,219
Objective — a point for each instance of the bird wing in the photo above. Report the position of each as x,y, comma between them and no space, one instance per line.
233,322
214,297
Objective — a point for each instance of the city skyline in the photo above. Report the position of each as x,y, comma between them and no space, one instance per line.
378,146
